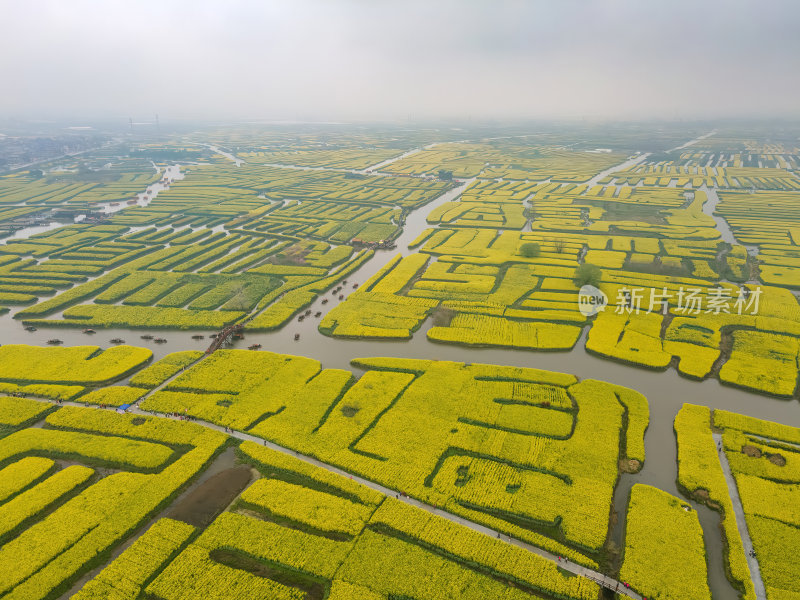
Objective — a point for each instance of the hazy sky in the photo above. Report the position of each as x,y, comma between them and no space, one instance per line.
399,59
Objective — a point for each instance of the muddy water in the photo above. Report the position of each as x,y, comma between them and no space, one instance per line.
225,461
12,331
27,232
389,161
634,160
173,173
144,198
204,503
709,207
666,391
694,141
235,159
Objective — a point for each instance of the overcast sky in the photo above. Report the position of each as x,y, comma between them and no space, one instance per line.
399,59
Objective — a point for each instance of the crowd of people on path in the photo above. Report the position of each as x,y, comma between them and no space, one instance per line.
186,417
182,417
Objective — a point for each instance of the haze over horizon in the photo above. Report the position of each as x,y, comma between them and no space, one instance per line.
360,61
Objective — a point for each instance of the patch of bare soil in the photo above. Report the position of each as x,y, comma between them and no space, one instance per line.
630,465
701,495
777,459
442,317
210,498
349,411
751,451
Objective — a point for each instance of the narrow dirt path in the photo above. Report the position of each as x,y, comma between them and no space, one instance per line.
741,523
597,577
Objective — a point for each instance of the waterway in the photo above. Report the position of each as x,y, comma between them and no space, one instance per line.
171,173
694,141
666,391
235,159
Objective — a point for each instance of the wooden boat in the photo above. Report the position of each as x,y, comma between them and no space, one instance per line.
254,346
117,341
89,330
296,336
30,328
55,342
197,337
160,341
146,336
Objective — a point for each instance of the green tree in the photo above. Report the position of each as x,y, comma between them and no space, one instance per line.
530,249
587,274
240,298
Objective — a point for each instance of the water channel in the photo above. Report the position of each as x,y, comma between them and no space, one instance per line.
666,391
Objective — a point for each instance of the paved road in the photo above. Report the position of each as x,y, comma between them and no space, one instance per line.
741,523
570,566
